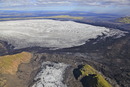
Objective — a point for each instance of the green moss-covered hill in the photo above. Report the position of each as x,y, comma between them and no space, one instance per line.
92,78
124,20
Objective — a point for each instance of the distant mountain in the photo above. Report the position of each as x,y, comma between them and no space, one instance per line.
125,20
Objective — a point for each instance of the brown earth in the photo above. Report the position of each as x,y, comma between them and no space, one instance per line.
9,65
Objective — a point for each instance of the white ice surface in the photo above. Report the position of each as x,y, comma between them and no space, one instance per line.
51,75
50,33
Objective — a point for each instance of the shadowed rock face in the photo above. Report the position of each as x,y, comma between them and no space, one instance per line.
3,49
89,81
89,77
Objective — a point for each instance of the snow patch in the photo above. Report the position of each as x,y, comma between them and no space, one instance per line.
51,75
51,33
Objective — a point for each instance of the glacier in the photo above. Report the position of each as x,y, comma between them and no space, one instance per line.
51,33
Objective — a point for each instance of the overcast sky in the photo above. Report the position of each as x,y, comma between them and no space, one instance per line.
101,6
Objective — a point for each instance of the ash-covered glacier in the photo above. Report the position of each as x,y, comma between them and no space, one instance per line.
51,75
51,33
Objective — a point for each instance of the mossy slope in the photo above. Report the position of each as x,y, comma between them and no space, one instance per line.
9,63
3,82
58,16
124,20
65,16
92,78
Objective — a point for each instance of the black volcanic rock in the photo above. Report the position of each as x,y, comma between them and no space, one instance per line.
3,49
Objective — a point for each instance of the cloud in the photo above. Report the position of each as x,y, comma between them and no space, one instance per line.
104,2
103,6
5,3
